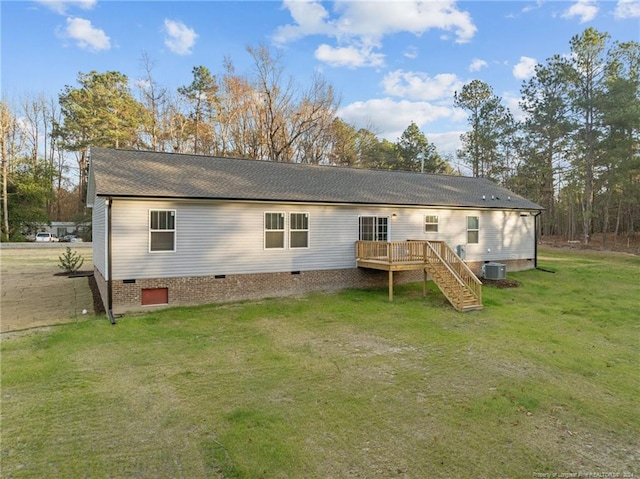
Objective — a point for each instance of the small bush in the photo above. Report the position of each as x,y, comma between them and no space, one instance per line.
70,261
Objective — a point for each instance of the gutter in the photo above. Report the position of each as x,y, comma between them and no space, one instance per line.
443,206
112,319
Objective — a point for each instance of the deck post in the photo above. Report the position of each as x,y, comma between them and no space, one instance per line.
424,283
390,285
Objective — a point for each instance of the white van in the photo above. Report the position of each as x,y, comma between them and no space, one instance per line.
47,238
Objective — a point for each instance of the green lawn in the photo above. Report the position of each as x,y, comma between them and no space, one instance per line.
546,379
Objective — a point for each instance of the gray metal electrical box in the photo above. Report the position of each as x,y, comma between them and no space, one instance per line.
461,250
494,271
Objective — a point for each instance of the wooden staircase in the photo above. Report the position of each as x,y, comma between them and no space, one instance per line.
454,278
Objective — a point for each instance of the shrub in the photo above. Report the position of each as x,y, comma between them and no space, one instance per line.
70,261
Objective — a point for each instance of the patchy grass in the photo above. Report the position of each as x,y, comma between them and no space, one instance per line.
543,380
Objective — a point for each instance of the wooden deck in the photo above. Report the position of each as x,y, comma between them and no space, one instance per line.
454,278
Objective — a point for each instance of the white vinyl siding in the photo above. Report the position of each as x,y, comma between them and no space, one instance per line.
215,238
99,235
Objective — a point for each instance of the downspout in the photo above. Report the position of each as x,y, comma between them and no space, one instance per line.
112,319
535,254
535,234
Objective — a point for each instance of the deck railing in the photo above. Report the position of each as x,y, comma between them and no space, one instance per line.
391,252
406,252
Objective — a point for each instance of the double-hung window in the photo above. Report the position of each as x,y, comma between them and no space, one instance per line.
274,230
473,229
162,230
374,228
431,223
299,230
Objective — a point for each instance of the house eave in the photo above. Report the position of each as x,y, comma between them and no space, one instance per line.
320,202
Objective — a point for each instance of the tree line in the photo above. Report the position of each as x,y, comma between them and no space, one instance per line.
574,151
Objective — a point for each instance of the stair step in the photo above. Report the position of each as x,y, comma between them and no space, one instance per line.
449,283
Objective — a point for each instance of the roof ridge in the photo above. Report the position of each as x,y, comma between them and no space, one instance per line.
302,165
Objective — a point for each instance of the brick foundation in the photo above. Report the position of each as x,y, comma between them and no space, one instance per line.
209,289
184,291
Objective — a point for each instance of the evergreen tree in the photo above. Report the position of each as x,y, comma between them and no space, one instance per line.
485,147
416,153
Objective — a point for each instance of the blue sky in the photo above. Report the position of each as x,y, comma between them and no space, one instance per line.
392,62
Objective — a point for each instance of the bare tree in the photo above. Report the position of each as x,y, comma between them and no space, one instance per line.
154,98
285,115
237,115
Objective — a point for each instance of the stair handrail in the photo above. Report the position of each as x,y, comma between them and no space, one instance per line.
461,285
463,270
455,275
466,282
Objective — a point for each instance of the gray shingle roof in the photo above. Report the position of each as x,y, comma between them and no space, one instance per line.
168,175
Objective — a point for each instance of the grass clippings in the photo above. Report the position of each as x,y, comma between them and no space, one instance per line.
544,380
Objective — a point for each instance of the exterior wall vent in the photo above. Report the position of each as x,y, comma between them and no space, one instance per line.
152,296
494,271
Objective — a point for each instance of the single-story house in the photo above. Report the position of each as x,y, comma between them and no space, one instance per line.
179,229
63,228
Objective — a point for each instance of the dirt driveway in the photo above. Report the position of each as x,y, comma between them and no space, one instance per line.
31,294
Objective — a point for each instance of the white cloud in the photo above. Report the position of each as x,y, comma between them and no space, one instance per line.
350,56
180,39
143,84
512,101
365,23
377,19
586,10
374,19
446,143
530,8
310,18
627,9
525,68
376,115
411,52
86,35
420,86
61,6
477,65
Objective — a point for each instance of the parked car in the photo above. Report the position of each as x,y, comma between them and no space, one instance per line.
46,238
71,239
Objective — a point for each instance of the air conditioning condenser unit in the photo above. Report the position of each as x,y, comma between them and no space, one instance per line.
494,271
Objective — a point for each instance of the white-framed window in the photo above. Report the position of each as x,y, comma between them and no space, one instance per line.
274,230
431,223
374,228
473,229
298,230
162,230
